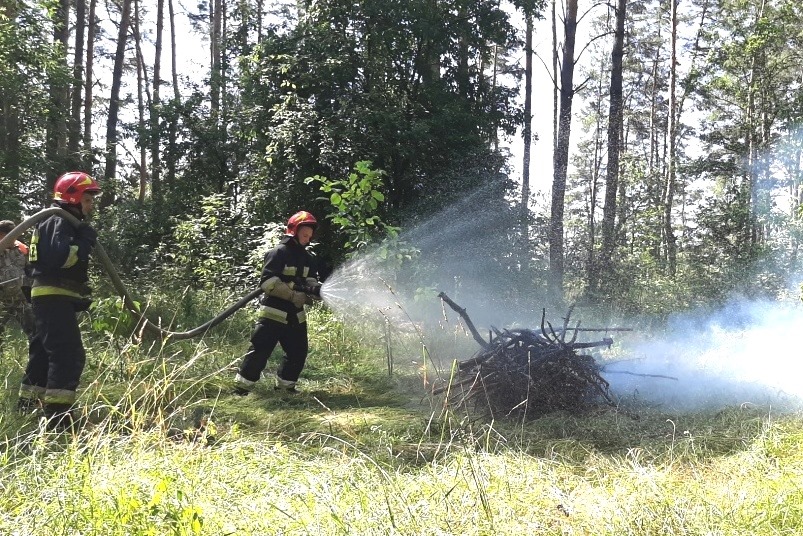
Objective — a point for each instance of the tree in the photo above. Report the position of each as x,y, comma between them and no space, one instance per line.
142,84
88,99
615,122
669,193
155,130
114,99
58,88
528,127
749,91
357,81
561,158
29,62
77,91
172,150
215,53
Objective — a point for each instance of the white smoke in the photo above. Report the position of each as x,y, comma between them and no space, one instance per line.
745,353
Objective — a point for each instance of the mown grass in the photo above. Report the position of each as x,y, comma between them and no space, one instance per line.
361,452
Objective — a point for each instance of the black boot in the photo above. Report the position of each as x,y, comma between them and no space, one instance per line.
60,418
240,391
28,406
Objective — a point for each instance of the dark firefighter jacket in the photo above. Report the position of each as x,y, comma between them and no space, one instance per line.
291,263
59,259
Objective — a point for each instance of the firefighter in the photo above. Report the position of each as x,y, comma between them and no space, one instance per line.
59,259
289,281
14,284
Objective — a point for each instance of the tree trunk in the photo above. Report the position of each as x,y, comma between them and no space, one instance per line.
260,15
114,101
173,133
555,93
88,159
215,41
670,245
528,129
495,74
10,133
561,158
592,261
615,120
74,131
141,85
155,131
462,75
224,156
55,144
654,189
754,126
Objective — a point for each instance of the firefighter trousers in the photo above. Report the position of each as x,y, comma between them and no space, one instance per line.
269,333
56,356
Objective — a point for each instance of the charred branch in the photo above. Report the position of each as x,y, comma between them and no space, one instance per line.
527,373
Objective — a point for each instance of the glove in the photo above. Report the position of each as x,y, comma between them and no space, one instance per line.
279,289
283,291
299,299
312,288
87,233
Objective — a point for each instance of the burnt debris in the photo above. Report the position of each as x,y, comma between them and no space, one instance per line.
527,373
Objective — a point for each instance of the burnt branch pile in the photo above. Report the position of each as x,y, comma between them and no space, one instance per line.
526,373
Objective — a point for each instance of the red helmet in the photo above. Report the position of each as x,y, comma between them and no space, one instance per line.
71,186
299,219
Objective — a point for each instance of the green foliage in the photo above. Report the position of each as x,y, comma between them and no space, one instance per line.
356,201
167,450
129,234
28,66
109,315
211,246
322,96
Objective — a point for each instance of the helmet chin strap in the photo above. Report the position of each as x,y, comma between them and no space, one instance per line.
75,210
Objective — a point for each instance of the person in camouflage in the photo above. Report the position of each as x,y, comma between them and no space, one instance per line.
13,282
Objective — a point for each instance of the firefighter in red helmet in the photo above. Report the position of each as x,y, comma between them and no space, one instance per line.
59,260
289,281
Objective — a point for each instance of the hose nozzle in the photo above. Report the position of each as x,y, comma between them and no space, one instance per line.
311,290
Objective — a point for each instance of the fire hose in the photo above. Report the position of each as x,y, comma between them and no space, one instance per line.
128,301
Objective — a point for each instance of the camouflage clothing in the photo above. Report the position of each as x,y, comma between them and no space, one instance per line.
13,304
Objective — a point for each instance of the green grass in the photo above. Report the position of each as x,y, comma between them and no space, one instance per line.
359,452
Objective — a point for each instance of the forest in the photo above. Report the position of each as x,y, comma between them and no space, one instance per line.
676,151
673,197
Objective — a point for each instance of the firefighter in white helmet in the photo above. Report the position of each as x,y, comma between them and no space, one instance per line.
289,281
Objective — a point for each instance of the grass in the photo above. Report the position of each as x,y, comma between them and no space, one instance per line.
359,452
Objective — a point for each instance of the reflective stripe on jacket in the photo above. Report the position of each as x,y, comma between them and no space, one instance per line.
59,260
272,313
50,290
289,261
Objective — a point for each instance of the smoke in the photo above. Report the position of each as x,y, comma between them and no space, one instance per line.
465,250
744,353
